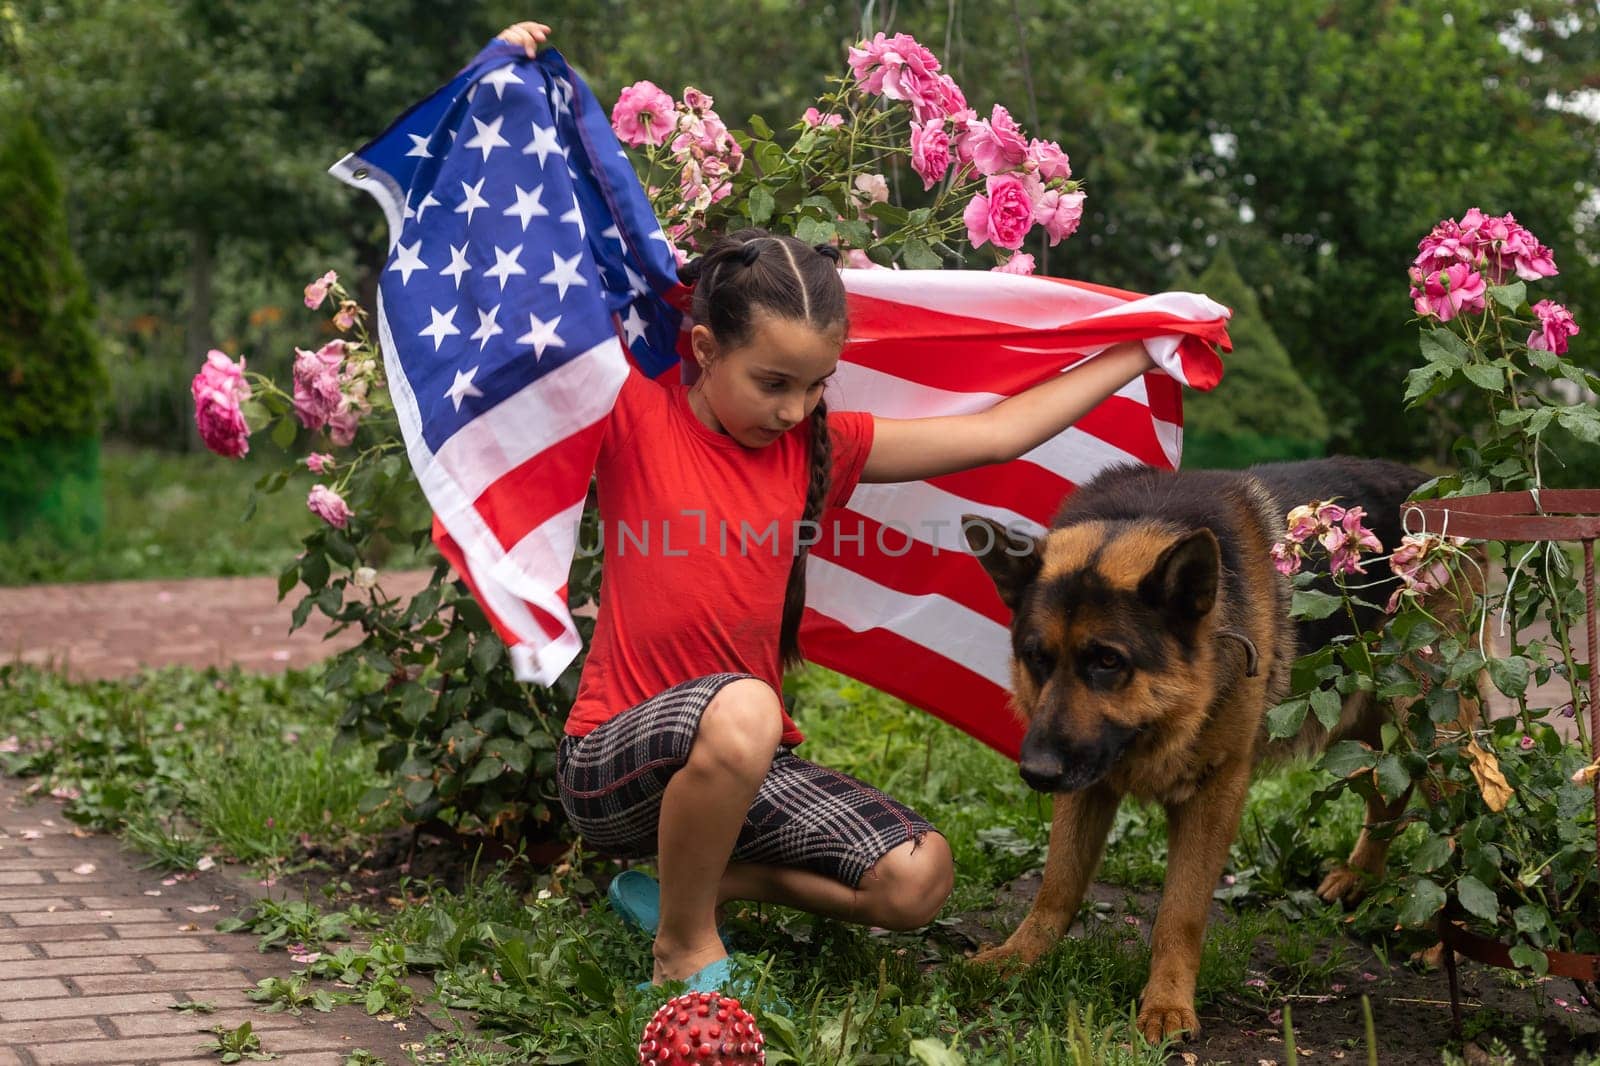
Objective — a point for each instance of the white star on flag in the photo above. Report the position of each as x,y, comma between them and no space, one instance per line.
633,325
487,328
419,146
407,260
458,264
427,202
463,387
527,206
488,138
542,335
474,200
544,143
442,326
564,274
500,78
505,265
612,233
575,216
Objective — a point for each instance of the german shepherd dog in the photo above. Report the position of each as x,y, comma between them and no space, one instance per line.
1150,634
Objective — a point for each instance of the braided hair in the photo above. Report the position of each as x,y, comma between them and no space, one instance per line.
754,271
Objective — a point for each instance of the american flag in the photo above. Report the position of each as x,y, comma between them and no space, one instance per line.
526,271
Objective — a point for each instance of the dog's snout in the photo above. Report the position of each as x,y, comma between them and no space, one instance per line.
1041,763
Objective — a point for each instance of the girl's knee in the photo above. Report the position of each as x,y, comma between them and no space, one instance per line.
740,728
912,882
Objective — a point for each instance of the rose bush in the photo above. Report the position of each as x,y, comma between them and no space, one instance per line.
1505,837
829,182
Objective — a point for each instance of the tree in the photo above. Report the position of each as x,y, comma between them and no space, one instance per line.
1263,410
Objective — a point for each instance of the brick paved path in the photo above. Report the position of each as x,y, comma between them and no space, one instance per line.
111,628
94,952
90,962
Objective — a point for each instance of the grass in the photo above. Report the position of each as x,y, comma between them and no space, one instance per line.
175,515
186,764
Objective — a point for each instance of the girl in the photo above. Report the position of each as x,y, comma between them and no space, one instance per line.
678,744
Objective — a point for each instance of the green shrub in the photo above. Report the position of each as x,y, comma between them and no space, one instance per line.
1263,410
50,368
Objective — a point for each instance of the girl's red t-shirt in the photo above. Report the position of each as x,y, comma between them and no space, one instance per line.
698,534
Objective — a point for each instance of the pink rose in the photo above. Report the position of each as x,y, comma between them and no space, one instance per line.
642,115
1302,524
343,422
319,462
815,118
317,392
872,188
695,100
1003,214
219,389
1446,293
328,506
1555,326
317,291
1020,263
1048,160
345,319
1286,558
994,145
1059,213
859,260
930,151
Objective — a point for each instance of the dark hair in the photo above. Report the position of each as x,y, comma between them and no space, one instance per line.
755,271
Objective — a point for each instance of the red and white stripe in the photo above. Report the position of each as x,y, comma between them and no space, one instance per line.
915,615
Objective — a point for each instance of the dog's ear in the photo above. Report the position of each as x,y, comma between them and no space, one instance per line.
1184,579
1012,560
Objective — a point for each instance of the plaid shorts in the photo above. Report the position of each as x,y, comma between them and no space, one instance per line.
804,815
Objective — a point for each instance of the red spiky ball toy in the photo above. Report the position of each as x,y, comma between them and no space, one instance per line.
701,1028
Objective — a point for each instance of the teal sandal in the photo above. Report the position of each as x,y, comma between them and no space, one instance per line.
636,899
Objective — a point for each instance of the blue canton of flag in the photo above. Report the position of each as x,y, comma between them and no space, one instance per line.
523,257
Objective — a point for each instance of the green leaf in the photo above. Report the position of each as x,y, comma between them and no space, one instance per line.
759,127
1478,898
486,653
1327,705
1286,718
1581,421
854,232
255,415
890,213
1531,958
930,1052
418,791
487,769
814,230
1310,604
1346,757
1440,345
1484,376
1542,359
1421,903
1510,675
1393,779
761,205
1509,296
314,570
1431,854
283,433
918,256
288,579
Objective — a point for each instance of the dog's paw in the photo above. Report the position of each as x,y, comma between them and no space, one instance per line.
1023,949
1344,884
1158,1022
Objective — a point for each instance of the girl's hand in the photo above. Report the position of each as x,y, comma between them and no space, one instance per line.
529,35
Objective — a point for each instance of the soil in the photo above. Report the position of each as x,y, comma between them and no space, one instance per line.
1410,1005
